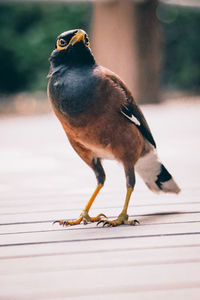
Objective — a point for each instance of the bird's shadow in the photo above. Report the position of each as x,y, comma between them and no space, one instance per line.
156,218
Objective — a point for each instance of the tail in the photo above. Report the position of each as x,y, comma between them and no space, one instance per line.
155,175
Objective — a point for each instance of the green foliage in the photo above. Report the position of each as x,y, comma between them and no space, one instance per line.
28,33
181,67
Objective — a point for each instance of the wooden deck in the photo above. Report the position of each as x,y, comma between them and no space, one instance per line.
42,180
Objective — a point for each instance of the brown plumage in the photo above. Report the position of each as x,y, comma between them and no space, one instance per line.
102,121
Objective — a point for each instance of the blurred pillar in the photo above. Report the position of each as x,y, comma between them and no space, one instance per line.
125,39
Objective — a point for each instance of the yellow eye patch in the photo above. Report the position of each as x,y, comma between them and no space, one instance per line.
60,46
79,36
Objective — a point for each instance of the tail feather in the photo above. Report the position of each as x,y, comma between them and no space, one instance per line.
155,175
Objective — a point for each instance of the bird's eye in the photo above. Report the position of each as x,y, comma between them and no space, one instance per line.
62,43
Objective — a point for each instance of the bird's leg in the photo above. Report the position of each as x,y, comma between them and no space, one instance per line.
84,216
123,216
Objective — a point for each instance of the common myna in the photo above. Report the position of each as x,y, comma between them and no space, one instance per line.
102,121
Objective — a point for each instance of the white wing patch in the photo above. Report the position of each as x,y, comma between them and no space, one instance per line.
132,119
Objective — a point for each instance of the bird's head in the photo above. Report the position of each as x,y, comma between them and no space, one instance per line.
70,38
72,48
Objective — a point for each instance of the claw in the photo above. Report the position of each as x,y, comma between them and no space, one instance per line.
61,222
105,223
57,221
133,222
100,221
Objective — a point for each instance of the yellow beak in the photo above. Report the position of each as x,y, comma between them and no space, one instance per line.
79,36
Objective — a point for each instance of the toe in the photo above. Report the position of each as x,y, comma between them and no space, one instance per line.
57,221
97,218
132,222
102,215
107,223
69,223
85,221
100,221
117,222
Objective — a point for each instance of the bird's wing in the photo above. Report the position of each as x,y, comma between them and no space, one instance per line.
130,109
132,112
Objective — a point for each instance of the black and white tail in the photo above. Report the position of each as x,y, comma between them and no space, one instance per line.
155,175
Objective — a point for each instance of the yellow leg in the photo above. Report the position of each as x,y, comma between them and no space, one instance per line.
84,215
123,217
93,197
127,199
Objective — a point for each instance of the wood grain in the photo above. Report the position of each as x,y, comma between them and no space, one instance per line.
42,180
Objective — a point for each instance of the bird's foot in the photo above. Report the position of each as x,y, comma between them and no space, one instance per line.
84,217
122,219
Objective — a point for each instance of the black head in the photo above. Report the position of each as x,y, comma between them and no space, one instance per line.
72,48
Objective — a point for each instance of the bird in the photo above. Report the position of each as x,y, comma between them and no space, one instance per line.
102,121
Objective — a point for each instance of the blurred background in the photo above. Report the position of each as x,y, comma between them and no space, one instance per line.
153,45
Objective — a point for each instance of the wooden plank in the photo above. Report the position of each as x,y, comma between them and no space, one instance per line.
180,241
159,258
171,293
73,234
170,218
56,283
101,259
